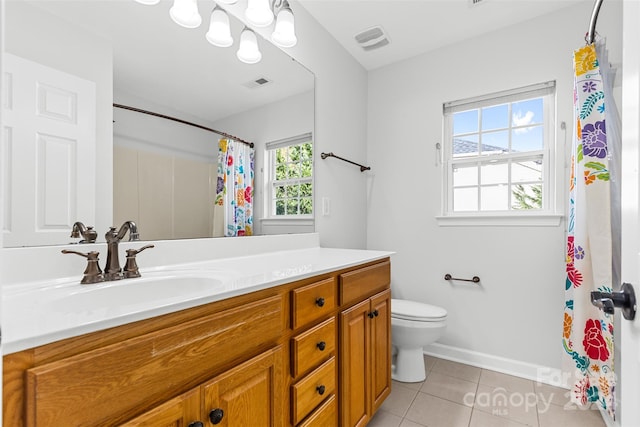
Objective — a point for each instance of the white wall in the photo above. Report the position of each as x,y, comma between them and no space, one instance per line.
287,118
340,126
516,312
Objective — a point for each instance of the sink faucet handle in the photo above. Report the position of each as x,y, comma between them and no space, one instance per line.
131,266
92,274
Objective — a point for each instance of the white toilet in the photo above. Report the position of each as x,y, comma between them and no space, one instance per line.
413,325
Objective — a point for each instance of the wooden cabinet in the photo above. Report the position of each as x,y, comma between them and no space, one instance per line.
310,353
181,411
248,394
365,348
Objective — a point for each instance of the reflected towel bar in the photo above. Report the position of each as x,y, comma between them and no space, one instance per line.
362,168
474,279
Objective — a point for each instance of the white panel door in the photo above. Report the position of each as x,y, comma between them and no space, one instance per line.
630,331
49,120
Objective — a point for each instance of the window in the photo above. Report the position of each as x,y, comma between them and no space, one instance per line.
290,183
498,153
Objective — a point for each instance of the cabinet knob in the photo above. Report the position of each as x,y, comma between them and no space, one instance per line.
370,314
320,302
216,416
320,389
375,313
321,345
196,424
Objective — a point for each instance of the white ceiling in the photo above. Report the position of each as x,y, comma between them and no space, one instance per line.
418,26
156,60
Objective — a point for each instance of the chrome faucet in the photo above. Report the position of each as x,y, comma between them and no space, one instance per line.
88,234
112,270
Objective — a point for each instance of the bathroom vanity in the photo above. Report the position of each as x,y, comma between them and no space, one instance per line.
304,346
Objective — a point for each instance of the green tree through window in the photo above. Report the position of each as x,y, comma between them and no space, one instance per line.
292,180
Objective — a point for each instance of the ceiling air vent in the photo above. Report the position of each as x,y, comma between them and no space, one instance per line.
372,38
259,82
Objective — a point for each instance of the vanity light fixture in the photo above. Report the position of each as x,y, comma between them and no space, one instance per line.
284,33
185,13
248,52
219,33
259,13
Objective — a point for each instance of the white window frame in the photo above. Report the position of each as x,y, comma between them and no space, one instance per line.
547,215
270,182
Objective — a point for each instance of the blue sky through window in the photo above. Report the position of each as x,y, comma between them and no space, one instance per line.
526,124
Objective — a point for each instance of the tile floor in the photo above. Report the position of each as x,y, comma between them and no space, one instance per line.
458,395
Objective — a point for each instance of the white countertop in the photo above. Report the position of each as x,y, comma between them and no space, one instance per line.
45,311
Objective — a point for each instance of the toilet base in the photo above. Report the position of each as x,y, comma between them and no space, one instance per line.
409,366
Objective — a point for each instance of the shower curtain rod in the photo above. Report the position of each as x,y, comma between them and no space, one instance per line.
151,113
591,35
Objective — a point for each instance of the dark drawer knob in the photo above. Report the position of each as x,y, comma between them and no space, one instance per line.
216,416
320,302
375,313
196,424
370,314
320,389
321,345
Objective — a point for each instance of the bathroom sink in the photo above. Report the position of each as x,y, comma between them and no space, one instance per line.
132,294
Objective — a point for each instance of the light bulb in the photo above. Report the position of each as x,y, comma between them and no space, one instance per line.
148,2
185,13
248,51
227,1
219,33
284,33
259,13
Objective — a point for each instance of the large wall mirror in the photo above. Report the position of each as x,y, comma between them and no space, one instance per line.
157,172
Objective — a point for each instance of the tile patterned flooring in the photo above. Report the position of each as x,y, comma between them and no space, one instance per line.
458,395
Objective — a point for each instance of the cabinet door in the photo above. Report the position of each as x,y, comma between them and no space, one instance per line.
251,394
355,325
380,349
182,411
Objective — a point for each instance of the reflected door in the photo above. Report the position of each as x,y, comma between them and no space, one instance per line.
49,125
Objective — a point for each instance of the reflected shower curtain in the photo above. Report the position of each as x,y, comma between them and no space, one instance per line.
233,210
593,232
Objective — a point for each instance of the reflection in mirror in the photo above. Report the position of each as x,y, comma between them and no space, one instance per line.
102,165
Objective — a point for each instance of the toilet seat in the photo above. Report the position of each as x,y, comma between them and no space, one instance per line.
416,311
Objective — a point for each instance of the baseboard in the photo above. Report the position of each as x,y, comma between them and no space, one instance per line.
530,371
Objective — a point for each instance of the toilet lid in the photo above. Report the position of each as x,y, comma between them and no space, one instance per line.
413,310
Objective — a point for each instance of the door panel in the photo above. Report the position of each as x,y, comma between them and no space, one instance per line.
629,374
249,394
355,365
49,120
381,350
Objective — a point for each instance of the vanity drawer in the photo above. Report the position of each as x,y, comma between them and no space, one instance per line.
112,383
310,391
364,282
313,346
313,301
325,415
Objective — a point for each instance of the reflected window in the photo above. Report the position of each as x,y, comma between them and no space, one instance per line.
498,151
290,170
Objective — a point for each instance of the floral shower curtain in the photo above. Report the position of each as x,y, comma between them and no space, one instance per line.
233,210
593,236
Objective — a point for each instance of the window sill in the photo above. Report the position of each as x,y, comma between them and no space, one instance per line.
497,220
288,221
